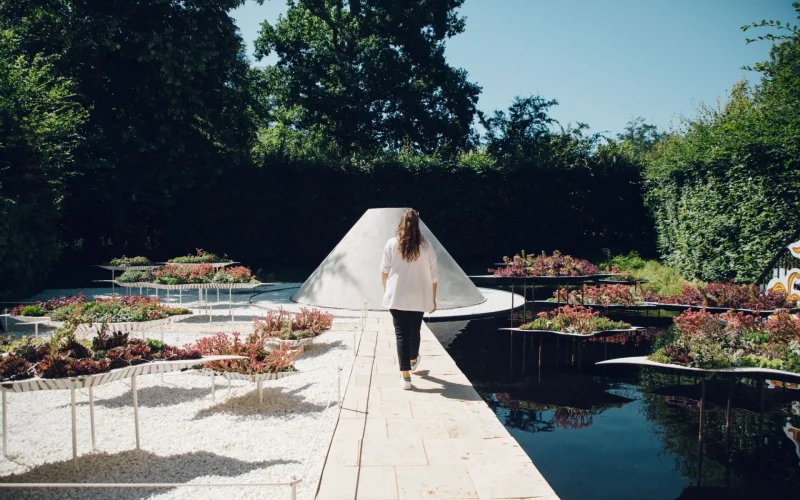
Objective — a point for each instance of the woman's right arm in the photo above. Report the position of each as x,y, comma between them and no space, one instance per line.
386,263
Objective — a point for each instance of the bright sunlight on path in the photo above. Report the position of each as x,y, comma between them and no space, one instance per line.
438,440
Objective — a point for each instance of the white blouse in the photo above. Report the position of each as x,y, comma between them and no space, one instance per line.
410,284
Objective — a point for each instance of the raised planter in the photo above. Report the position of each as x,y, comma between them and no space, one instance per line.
92,381
738,370
601,333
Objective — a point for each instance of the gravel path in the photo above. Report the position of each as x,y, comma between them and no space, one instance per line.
186,436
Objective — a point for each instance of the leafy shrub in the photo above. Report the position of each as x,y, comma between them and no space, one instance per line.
200,257
32,311
57,366
134,276
236,274
118,310
545,265
704,340
172,274
261,358
573,319
49,306
280,324
725,295
661,279
604,295
13,367
313,319
130,261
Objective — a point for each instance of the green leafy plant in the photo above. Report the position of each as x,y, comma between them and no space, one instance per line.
574,319
200,257
130,261
118,310
703,340
135,276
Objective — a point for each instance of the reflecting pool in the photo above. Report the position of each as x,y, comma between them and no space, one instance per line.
625,432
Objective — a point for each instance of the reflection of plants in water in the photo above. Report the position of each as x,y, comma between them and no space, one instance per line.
535,417
754,453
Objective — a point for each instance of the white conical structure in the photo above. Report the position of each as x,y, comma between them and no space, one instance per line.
351,272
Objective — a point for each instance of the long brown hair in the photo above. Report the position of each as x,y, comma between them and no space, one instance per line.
409,237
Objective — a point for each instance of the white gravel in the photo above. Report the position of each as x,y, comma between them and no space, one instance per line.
186,436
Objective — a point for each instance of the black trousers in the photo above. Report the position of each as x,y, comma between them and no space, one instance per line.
406,328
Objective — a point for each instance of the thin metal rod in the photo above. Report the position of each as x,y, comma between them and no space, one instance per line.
213,387
512,302
260,387
294,491
702,407
74,429
728,410
135,410
91,416
5,424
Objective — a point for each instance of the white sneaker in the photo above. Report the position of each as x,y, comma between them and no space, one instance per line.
415,364
405,383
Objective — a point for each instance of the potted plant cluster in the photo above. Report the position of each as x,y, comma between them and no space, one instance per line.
65,356
725,295
264,361
125,309
293,329
601,295
130,261
574,319
173,274
200,257
45,309
719,295
700,339
524,265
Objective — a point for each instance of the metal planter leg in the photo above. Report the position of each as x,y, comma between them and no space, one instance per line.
136,410
74,429
91,416
5,424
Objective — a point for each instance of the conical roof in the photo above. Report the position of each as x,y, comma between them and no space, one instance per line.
351,272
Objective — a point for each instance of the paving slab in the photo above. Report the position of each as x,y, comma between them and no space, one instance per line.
438,440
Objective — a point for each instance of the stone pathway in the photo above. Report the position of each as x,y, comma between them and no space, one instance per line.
439,440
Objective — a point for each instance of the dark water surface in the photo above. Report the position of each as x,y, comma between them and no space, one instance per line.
625,432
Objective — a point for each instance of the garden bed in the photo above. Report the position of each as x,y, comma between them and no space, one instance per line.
199,258
743,370
599,333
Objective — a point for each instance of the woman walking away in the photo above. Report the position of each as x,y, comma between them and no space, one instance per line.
409,274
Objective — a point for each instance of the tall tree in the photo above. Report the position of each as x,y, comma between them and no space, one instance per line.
520,137
372,72
165,84
642,136
40,125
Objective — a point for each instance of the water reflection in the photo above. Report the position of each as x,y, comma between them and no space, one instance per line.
630,432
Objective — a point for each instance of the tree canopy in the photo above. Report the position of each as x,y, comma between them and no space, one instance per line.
372,73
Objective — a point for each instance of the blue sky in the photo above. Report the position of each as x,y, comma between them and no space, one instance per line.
605,61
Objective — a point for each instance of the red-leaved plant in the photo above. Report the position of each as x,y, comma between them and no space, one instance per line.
260,358
604,295
725,295
545,265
